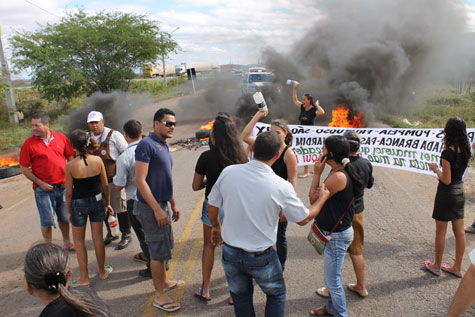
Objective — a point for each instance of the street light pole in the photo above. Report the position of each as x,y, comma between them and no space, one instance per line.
163,65
10,99
163,59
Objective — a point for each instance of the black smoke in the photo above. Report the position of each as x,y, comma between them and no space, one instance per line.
371,54
117,108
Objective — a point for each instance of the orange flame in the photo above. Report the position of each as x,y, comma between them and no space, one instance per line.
207,126
8,161
340,118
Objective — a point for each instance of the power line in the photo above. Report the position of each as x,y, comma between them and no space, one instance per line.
42,8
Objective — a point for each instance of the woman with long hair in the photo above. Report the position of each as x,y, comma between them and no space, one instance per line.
309,110
285,167
47,273
335,217
227,150
87,195
450,198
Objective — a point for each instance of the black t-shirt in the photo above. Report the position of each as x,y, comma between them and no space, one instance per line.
307,117
59,308
335,207
209,165
279,167
364,170
456,172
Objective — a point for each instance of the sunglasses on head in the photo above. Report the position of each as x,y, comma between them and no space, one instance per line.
169,123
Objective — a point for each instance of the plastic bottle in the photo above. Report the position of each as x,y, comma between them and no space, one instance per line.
260,101
113,225
291,82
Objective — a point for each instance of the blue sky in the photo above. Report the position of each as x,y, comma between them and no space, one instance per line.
209,30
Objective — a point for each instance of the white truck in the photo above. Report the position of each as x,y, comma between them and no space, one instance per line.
200,67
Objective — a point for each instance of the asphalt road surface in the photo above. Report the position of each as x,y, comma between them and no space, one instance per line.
399,237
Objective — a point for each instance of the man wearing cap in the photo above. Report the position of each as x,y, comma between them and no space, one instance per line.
111,144
43,161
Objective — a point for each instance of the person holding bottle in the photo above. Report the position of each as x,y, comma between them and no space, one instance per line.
308,112
87,196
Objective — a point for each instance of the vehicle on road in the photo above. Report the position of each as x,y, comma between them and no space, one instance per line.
152,71
200,67
260,80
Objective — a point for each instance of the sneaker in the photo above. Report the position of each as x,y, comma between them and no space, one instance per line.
145,273
124,242
109,238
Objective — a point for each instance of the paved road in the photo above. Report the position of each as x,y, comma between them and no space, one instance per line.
399,237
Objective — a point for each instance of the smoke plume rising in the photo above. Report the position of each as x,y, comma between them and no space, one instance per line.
371,54
117,108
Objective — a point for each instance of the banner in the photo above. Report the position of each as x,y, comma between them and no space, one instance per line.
406,149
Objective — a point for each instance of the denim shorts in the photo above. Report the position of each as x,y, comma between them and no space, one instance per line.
205,217
92,206
50,203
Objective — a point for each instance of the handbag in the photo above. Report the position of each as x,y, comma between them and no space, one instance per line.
316,237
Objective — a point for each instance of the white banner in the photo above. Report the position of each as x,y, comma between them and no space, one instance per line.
407,149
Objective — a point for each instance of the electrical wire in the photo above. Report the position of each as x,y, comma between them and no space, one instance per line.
42,9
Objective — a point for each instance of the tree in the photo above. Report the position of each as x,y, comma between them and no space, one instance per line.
83,54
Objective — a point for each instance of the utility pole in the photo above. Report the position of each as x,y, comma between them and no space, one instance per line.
163,64
163,57
9,92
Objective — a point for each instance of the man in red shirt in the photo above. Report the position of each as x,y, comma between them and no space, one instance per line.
43,161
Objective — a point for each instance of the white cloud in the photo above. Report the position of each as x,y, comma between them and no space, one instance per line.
208,29
471,17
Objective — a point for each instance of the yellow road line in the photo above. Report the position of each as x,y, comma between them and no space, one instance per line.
188,269
149,309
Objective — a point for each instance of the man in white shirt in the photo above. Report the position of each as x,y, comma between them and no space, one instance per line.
111,144
253,196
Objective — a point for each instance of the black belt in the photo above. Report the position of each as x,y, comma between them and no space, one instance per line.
256,253
57,186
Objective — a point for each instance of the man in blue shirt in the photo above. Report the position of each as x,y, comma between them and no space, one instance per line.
153,177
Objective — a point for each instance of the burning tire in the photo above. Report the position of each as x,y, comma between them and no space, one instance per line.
9,171
202,134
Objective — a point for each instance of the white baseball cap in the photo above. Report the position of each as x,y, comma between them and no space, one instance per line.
94,116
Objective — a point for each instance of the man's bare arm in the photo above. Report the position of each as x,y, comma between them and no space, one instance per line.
32,177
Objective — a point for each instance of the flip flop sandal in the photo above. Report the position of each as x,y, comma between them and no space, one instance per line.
177,284
323,292
361,293
74,284
167,309
457,274
201,296
140,257
428,269
321,311
469,230
71,249
109,269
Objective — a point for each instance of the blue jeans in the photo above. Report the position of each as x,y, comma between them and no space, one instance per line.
473,225
264,267
333,256
50,203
